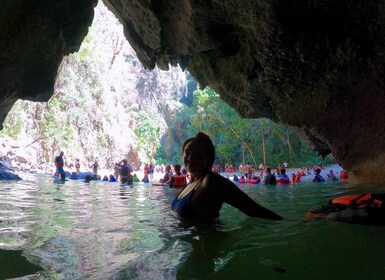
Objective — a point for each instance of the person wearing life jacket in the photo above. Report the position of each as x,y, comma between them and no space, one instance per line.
344,175
135,178
242,180
178,180
255,180
298,176
231,168
282,178
302,171
318,178
368,209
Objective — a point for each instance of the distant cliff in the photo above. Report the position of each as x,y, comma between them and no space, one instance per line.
105,105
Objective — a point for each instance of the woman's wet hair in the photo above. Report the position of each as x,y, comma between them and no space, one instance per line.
206,145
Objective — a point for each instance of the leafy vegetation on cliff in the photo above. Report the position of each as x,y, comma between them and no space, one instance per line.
236,140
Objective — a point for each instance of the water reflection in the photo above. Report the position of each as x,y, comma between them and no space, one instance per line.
14,264
102,230
124,193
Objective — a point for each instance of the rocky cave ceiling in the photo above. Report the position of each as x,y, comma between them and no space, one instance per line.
317,66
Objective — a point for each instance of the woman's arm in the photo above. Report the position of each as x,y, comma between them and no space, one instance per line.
237,198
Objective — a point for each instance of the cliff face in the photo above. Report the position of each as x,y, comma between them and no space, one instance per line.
102,98
316,65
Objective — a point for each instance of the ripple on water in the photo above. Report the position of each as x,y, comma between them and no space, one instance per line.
102,231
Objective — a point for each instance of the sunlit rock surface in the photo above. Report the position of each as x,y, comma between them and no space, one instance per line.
314,65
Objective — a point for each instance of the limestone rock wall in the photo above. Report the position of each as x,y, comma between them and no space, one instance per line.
314,65
34,37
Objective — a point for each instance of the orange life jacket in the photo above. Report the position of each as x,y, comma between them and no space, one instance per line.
179,181
367,209
357,201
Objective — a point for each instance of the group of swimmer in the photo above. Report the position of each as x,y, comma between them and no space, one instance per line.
122,171
282,178
174,176
247,170
177,176
206,192
247,174
203,191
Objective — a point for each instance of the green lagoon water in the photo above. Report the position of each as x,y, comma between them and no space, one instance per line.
104,231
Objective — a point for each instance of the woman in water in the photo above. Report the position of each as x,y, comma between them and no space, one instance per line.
207,191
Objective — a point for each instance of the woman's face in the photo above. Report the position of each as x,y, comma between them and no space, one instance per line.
195,159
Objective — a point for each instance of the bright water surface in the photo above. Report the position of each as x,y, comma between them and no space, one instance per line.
104,231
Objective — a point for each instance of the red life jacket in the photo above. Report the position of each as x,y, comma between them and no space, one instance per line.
283,181
254,181
179,181
344,175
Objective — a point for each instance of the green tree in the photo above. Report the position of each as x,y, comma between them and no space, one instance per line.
14,122
236,139
55,129
148,134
